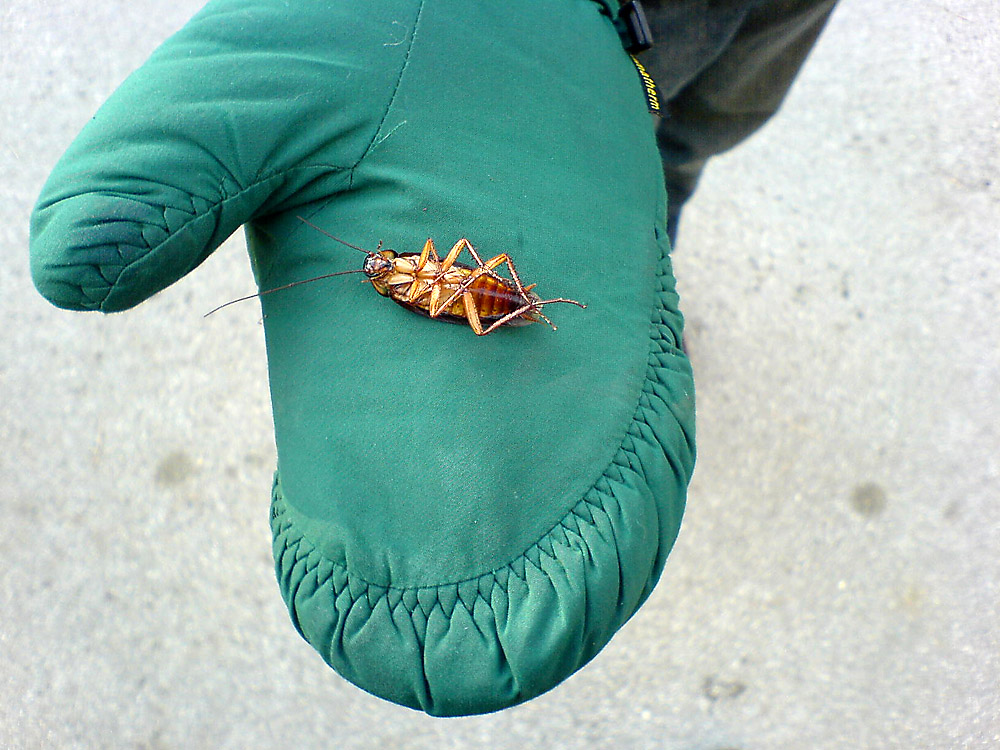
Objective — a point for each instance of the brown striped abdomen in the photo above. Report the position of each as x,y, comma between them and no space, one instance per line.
493,298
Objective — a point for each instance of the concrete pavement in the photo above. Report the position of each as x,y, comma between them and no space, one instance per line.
835,584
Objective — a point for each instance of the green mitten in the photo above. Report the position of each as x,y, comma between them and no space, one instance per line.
460,522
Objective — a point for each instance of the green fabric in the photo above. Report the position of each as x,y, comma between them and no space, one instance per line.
460,522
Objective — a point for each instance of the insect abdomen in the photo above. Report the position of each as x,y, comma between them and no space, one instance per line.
493,298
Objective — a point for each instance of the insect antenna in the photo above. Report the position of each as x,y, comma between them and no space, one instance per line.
337,239
280,288
304,281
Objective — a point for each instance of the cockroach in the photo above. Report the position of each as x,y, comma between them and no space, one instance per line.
445,290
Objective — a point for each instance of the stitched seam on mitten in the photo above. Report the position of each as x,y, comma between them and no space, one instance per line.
175,220
377,138
149,252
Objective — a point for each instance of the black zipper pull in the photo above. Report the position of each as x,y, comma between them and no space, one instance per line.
634,28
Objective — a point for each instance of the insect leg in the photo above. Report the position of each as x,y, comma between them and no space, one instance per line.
517,314
468,301
416,287
456,250
446,265
429,251
504,258
489,268
432,306
523,290
473,315
479,260
459,291
485,269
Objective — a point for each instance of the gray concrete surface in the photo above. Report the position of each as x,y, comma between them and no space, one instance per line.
836,580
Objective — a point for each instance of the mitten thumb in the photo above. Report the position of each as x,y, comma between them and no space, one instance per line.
146,191
246,110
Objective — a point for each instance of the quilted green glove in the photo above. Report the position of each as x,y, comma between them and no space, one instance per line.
459,522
